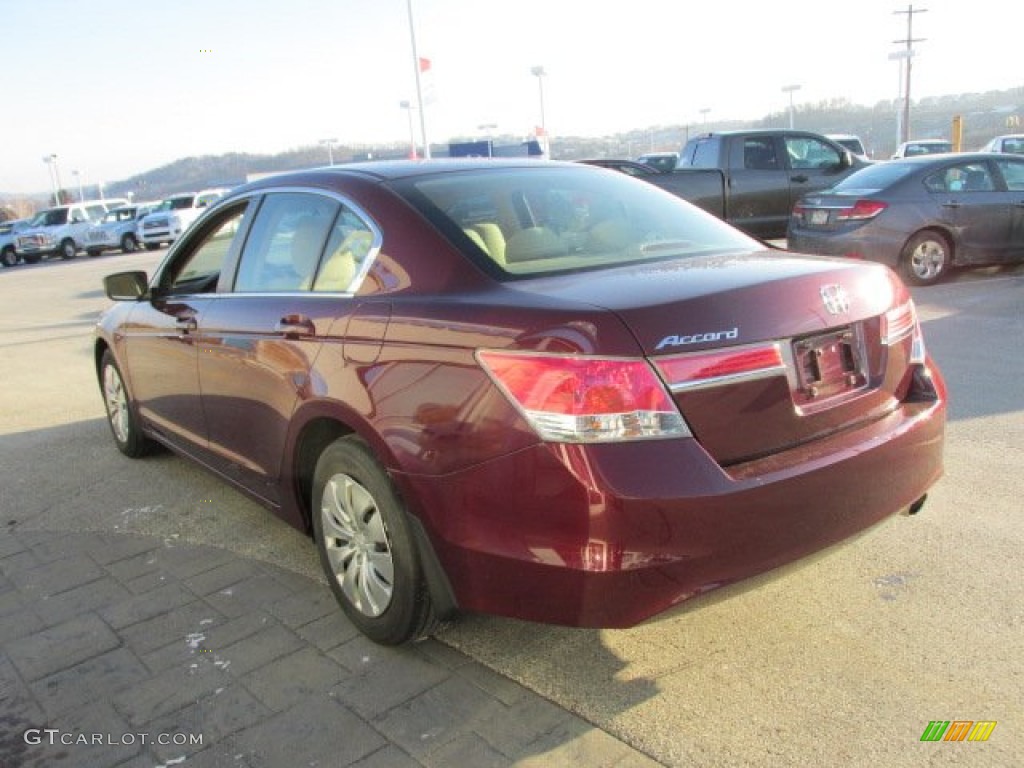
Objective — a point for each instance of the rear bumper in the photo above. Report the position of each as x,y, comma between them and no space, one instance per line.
858,244
610,535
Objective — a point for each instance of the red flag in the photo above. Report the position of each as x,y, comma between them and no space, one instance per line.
424,64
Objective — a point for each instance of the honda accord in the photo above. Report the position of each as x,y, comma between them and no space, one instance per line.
533,389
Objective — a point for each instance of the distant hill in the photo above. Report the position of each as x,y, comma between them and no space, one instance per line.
984,115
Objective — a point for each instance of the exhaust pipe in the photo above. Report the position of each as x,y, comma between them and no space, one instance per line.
914,508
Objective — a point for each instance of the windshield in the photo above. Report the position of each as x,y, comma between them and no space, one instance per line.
53,217
874,177
539,220
177,203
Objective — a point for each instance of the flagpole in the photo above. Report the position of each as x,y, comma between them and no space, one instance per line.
419,87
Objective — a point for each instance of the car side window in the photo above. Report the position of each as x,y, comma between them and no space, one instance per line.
287,239
199,263
348,248
967,177
1013,173
808,152
759,154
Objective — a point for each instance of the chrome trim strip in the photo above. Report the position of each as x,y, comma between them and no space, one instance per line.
732,378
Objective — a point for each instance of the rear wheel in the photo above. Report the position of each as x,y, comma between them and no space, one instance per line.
926,258
129,244
123,425
68,249
9,257
366,546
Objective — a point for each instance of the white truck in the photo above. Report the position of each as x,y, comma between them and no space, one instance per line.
173,216
61,230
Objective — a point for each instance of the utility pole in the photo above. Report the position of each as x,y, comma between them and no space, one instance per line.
909,41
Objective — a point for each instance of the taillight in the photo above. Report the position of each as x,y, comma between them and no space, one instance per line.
579,399
724,366
861,210
900,322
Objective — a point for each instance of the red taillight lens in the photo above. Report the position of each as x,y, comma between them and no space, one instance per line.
585,399
900,322
721,366
861,210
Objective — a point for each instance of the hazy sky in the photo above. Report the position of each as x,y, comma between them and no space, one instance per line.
117,87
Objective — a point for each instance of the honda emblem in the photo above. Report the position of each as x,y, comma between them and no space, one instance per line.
835,299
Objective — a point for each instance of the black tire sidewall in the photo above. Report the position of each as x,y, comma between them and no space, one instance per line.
66,252
136,444
129,244
401,620
9,257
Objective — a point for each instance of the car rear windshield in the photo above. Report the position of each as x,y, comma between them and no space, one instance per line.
875,177
522,222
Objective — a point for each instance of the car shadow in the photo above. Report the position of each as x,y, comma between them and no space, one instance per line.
431,687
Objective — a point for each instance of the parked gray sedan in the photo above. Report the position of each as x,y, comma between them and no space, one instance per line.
921,216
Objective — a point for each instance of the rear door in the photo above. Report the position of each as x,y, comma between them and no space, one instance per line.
973,206
1012,172
758,186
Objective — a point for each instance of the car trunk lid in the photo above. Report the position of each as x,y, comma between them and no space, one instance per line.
765,351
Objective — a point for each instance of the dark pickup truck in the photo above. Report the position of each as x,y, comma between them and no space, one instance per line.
752,178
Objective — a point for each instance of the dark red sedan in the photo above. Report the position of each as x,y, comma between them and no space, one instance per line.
540,390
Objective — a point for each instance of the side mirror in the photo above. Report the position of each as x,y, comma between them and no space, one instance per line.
126,286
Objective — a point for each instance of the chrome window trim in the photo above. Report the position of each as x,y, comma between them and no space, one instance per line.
364,268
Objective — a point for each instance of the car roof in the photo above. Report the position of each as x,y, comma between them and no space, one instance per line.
947,156
390,170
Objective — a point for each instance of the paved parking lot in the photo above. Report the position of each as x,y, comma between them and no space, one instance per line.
843,661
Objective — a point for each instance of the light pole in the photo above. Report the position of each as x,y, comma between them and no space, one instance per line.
413,155
78,181
488,129
51,164
540,74
330,149
900,56
790,89
419,84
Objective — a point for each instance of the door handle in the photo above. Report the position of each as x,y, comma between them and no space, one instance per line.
295,326
951,204
800,179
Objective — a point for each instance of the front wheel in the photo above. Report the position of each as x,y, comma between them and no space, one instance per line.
129,244
9,257
926,258
68,249
366,546
123,425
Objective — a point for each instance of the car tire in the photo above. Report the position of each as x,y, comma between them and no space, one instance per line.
129,244
9,257
152,246
120,416
367,546
68,250
926,258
